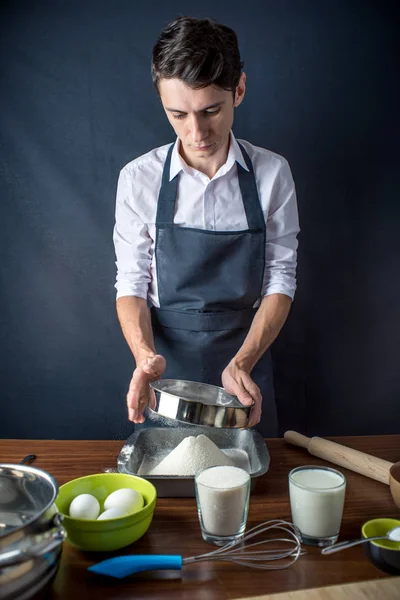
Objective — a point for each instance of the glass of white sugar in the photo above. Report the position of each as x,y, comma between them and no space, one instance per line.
316,501
222,495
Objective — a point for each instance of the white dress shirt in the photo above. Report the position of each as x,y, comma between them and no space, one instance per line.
203,203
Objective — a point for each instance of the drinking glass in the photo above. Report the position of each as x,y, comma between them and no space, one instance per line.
316,501
222,495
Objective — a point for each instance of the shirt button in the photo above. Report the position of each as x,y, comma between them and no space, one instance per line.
210,226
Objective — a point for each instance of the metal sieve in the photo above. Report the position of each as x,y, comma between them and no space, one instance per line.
199,404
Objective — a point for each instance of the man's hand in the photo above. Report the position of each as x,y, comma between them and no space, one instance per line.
140,393
238,382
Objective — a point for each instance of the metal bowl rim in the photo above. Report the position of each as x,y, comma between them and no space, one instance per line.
45,475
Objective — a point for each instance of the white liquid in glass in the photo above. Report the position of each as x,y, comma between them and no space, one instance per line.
316,500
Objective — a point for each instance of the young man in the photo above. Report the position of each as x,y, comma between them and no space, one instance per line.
205,233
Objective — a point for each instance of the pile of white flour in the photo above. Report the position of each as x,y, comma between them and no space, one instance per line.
193,454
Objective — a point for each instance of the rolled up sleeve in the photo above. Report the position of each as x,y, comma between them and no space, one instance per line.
281,241
132,243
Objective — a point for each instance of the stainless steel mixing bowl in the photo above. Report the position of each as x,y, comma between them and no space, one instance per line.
31,536
199,404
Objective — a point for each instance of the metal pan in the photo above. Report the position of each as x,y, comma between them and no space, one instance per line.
245,446
199,404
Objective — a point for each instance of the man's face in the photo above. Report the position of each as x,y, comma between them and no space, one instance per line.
202,119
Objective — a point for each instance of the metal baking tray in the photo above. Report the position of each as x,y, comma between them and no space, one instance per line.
148,446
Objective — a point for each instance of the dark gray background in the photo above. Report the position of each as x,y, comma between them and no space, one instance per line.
77,104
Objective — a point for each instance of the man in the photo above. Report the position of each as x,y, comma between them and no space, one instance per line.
205,233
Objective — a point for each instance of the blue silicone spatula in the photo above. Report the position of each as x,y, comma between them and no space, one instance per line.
123,566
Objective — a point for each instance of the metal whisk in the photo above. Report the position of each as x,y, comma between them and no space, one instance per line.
239,552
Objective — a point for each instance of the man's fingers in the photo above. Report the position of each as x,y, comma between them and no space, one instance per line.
251,387
255,394
239,382
137,399
133,395
152,401
248,391
154,367
244,389
135,409
237,389
255,415
151,370
132,404
243,396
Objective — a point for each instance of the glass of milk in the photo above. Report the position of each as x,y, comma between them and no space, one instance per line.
316,502
222,495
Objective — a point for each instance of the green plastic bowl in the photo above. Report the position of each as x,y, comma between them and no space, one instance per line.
109,534
384,554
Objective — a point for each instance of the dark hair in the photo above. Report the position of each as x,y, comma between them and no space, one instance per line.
200,52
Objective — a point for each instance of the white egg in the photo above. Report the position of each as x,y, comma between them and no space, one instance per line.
84,506
112,513
126,499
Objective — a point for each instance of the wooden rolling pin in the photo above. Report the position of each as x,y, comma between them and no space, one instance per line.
370,466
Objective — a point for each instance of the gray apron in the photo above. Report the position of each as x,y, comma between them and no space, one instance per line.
208,282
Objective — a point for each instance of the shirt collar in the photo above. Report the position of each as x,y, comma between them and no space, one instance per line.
178,164
236,152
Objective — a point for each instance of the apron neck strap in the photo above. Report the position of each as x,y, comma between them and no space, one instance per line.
248,189
167,195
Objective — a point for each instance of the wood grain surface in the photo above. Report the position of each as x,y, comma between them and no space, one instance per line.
175,527
380,589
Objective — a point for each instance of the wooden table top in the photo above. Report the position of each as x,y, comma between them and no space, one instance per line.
175,528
